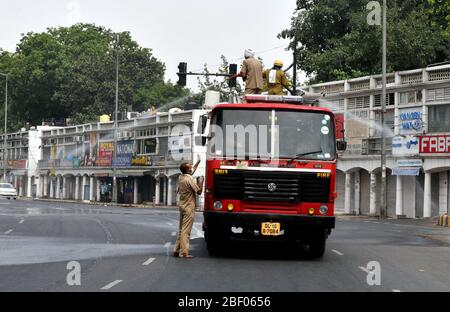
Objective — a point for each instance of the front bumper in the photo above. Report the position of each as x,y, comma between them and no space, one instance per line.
298,227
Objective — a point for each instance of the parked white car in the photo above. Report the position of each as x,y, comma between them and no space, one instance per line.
7,190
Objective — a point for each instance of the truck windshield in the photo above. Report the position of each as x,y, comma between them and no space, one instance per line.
272,134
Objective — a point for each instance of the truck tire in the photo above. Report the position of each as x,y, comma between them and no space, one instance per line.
317,246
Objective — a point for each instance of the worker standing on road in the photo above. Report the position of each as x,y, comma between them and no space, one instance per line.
275,79
187,188
251,73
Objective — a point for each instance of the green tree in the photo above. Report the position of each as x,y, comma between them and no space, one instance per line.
333,40
70,72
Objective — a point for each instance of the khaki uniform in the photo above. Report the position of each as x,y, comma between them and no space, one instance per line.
275,80
251,71
187,188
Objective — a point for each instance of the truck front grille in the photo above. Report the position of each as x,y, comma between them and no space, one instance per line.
257,186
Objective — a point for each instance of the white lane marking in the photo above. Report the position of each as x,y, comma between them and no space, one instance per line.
9,231
396,290
169,224
111,285
167,245
364,269
337,252
421,270
21,221
174,233
149,261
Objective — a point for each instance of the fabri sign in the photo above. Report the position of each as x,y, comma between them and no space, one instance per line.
434,144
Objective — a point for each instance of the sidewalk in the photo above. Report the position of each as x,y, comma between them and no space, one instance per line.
428,222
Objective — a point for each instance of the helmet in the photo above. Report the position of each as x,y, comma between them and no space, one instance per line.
278,63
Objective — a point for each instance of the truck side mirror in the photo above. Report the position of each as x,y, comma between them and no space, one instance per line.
341,146
202,122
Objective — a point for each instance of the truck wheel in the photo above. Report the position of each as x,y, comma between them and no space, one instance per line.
317,246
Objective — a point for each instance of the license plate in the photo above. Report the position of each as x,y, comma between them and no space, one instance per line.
270,229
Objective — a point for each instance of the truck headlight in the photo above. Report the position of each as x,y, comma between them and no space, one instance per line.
218,205
323,209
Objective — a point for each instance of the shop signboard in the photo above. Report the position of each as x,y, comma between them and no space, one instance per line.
405,145
434,145
124,153
141,161
411,121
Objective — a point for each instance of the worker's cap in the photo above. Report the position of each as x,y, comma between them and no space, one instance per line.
278,62
249,53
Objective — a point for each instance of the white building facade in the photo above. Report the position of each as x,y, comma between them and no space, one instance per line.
417,126
78,162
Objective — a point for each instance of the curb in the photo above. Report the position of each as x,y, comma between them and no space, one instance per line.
444,220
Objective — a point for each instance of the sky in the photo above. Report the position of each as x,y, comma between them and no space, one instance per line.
191,31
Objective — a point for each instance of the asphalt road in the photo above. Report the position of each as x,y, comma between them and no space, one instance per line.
124,249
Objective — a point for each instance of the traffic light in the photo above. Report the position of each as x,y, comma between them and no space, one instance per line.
232,70
182,71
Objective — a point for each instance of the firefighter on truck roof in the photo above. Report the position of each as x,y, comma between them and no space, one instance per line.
275,79
251,73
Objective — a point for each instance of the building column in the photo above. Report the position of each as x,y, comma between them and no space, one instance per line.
98,185
83,184
91,189
64,188
45,185
169,191
77,188
28,186
57,188
347,203
399,197
15,182
427,196
157,191
21,186
358,192
38,185
443,192
52,190
373,194
136,191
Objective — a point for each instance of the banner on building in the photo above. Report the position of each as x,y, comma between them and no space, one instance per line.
124,154
405,171
410,120
141,161
17,164
105,154
438,145
405,145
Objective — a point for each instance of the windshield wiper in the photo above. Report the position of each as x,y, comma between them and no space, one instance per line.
298,156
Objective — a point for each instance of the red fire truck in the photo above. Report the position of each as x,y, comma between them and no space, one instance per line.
270,172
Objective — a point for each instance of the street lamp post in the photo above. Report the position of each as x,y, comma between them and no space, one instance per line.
5,154
114,194
383,200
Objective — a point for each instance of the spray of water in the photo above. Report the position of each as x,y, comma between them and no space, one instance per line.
351,116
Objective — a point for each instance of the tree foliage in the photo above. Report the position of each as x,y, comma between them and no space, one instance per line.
333,40
71,72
